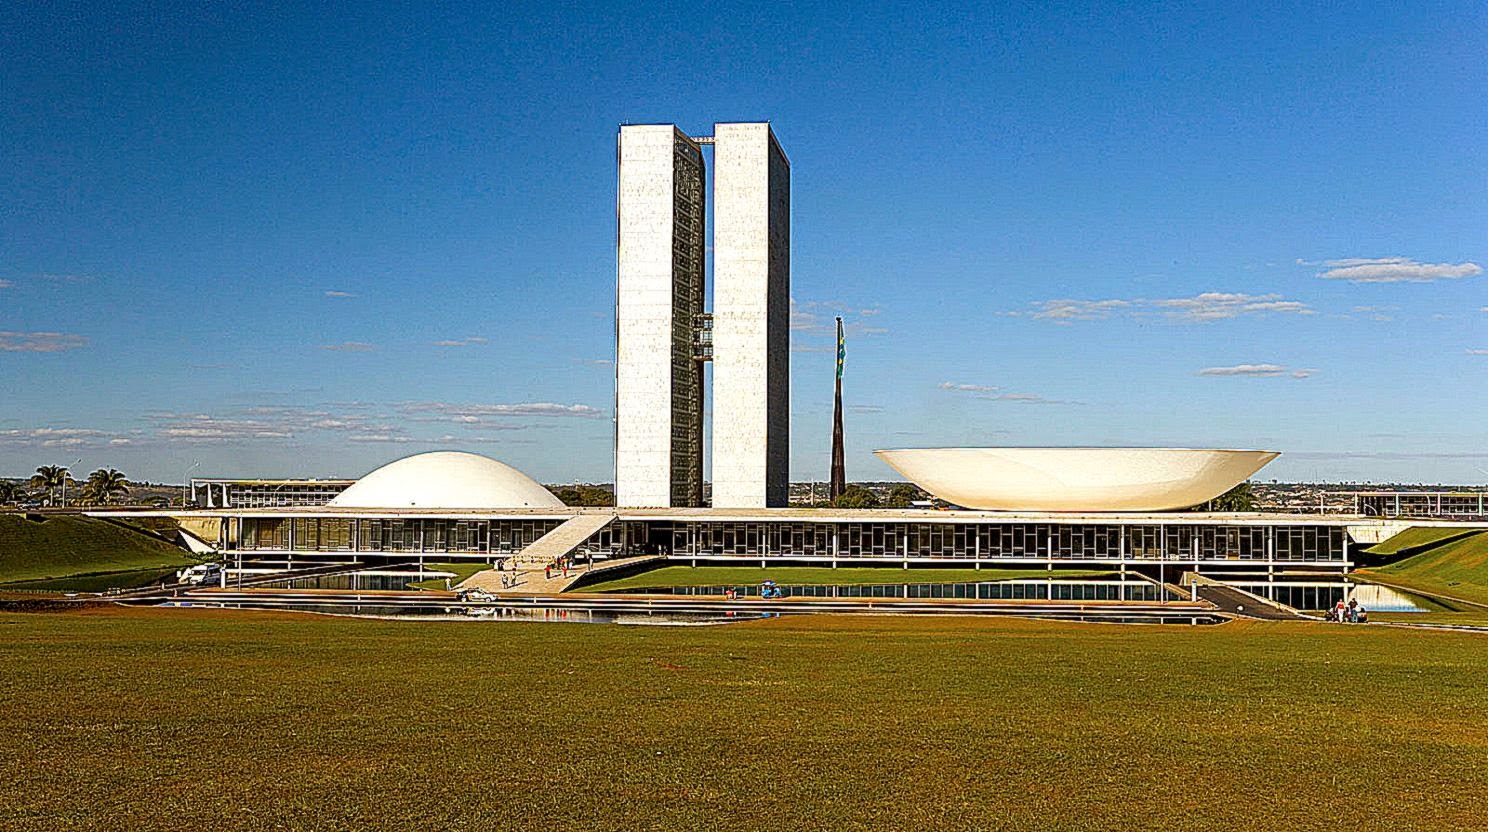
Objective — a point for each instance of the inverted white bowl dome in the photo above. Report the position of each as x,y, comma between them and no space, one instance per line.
1076,479
446,479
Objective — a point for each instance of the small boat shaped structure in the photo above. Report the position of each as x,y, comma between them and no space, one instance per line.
1076,479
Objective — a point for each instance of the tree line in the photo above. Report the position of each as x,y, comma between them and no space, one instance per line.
51,483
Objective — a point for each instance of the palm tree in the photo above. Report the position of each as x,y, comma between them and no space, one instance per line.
11,491
104,485
50,478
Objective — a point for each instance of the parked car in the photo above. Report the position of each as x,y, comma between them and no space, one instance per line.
201,573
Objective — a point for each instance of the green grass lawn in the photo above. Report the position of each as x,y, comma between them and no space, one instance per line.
195,719
1458,569
1418,537
68,546
753,575
1465,617
461,570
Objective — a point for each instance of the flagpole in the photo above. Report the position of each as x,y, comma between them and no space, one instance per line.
839,471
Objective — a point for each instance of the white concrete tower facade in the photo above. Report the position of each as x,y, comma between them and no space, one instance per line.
751,318
659,293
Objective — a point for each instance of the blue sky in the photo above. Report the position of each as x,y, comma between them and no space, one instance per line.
269,240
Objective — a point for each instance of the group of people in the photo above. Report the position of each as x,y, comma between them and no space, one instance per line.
559,565
1351,613
768,589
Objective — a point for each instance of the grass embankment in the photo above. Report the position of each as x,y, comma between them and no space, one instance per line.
118,719
79,549
1457,568
460,570
1418,537
816,575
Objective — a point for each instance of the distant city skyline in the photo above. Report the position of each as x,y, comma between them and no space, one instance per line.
241,243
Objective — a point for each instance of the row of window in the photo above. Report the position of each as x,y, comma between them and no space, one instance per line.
811,540
1423,505
334,534
923,540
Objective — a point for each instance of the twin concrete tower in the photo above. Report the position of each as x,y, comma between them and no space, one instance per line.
664,332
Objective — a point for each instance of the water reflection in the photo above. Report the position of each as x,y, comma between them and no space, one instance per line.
1032,589
460,613
1324,593
353,581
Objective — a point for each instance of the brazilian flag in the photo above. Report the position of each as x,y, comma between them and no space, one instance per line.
841,348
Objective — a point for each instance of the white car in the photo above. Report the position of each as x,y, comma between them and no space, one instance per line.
201,573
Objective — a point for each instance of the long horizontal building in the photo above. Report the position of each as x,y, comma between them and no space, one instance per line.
462,507
456,507
845,537
257,493
1467,505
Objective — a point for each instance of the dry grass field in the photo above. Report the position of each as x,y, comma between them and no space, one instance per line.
195,719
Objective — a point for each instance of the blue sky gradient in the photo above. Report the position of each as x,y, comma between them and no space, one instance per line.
269,240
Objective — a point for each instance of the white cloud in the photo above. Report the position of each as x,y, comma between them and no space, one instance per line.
349,346
462,342
1477,352
1258,371
201,427
6,284
40,341
818,318
992,393
801,318
333,293
1201,308
1064,311
55,437
1395,270
264,422
1218,306
477,412
1023,398
1375,313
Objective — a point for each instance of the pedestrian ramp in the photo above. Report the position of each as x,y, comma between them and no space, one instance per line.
1237,601
562,540
528,571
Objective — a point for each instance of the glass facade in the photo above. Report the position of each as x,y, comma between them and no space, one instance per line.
1453,504
984,541
797,539
338,534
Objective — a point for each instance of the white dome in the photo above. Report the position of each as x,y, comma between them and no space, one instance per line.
446,479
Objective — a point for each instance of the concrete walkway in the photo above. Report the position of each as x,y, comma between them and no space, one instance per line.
532,581
561,541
